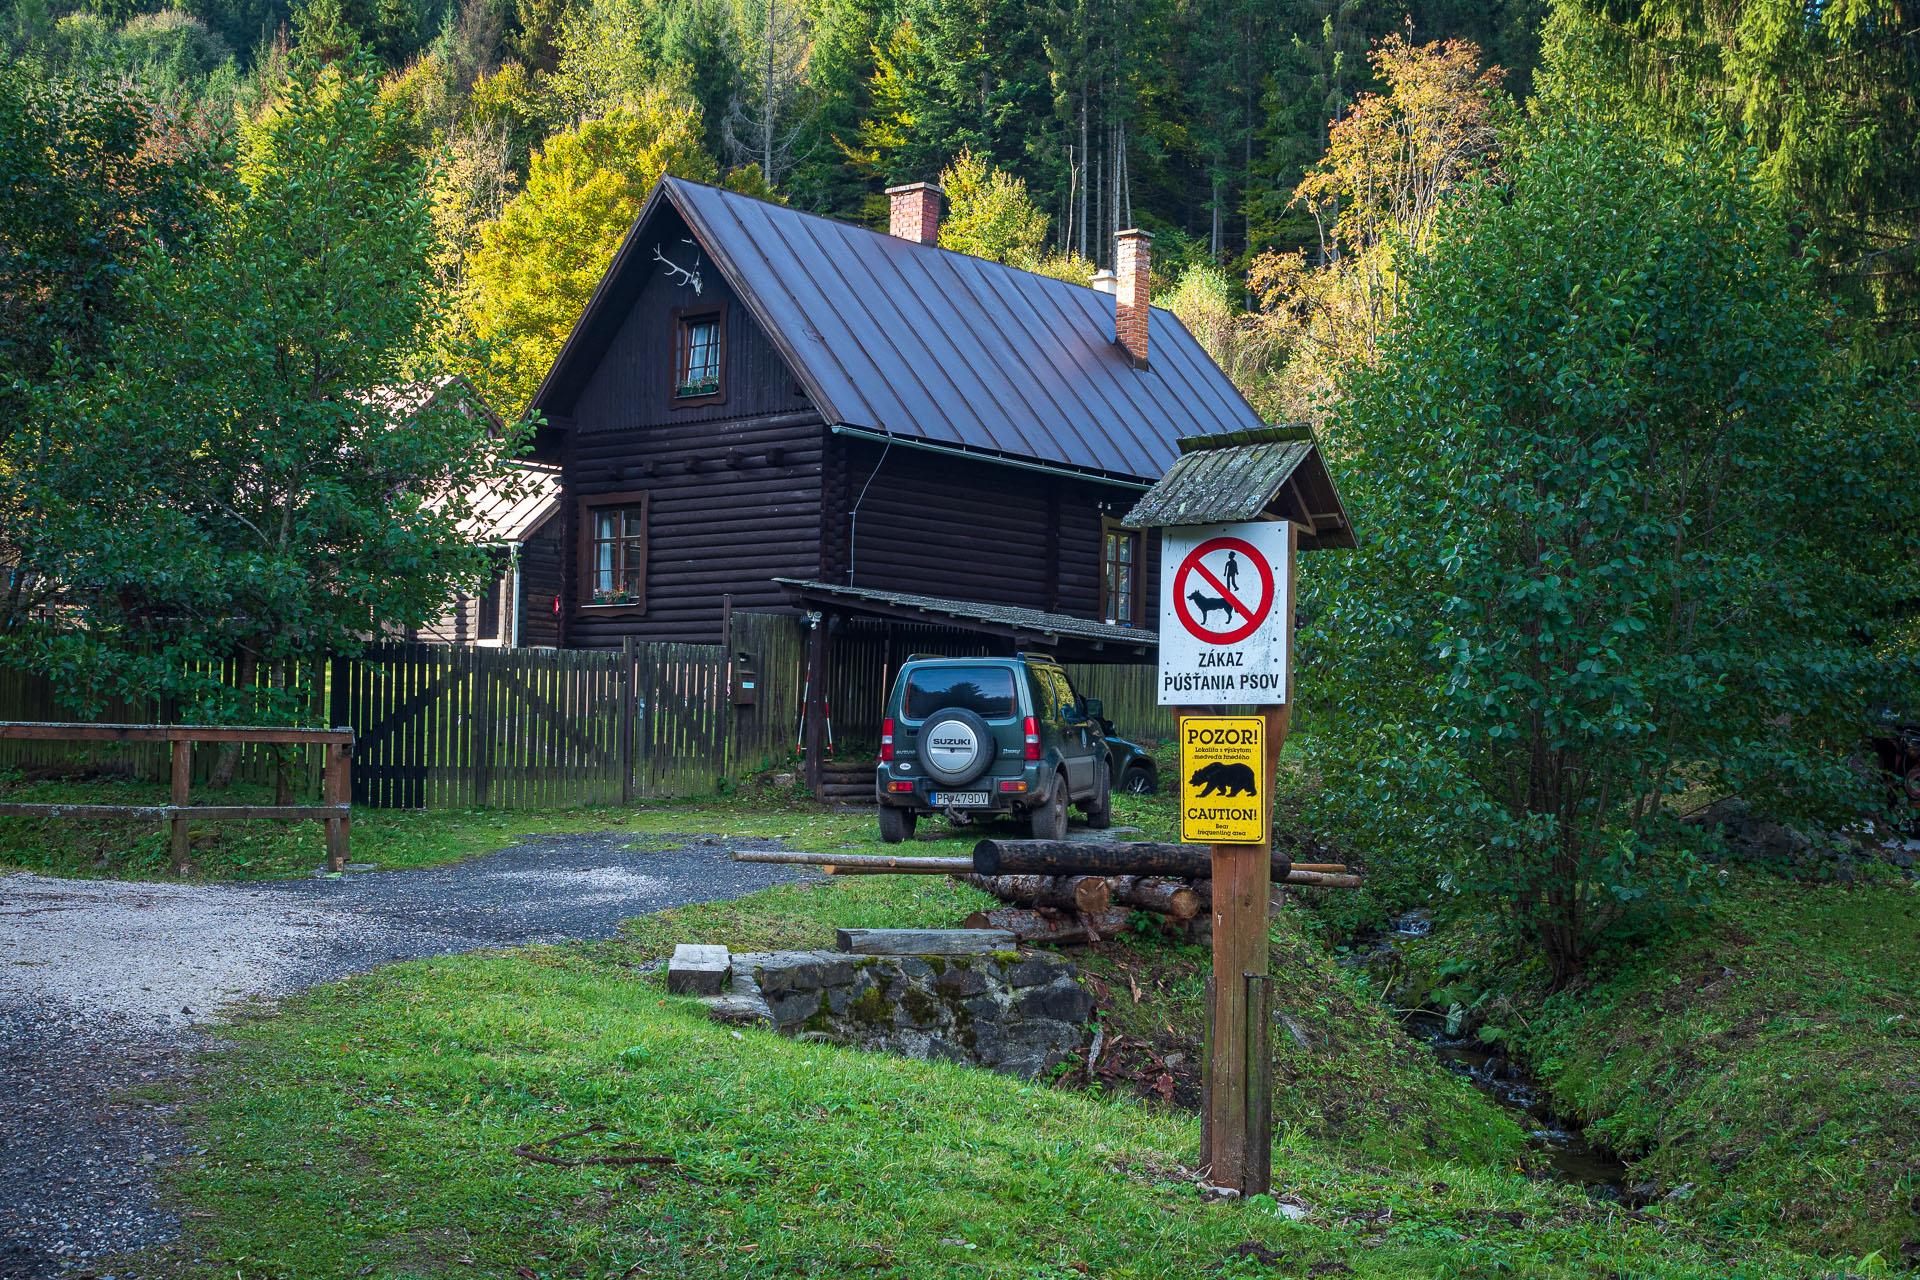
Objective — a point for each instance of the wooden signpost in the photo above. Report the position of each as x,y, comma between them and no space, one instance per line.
1234,512
1227,765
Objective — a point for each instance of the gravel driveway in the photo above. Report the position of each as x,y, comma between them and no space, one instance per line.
102,981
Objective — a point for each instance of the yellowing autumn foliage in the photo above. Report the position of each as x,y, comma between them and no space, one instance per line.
1391,164
536,265
989,214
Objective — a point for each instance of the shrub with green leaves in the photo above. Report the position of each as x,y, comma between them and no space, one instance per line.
1630,525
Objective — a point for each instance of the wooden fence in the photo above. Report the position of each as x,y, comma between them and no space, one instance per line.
450,727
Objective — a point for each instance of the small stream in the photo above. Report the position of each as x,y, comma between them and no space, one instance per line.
1558,1141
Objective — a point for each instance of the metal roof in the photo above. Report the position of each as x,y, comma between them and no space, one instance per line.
1270,472
511,509
893,336
1032,625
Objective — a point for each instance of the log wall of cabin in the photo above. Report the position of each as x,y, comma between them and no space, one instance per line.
733,488
944,525
542,574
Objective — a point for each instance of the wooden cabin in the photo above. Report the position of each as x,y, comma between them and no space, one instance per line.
763,409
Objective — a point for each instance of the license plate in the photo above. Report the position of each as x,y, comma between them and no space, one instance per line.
974,799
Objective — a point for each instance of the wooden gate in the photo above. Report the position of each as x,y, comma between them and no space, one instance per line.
438,727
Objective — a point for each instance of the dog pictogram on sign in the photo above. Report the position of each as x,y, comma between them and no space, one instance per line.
1222,760
1224,614
1208,581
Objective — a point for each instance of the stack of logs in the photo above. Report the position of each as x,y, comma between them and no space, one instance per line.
1073,891
1087,908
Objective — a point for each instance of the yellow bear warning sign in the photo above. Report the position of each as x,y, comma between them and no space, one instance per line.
1223,780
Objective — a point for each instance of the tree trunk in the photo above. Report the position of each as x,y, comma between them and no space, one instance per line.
1088,895
1171,898
1045,925
229,756
1100,857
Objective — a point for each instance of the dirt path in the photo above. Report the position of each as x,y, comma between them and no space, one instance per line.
102,983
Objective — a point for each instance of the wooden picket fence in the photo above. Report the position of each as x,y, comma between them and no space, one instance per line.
453,727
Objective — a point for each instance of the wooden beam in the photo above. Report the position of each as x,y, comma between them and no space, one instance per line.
924,942
856,861
180,814
814,712
182,794
61,731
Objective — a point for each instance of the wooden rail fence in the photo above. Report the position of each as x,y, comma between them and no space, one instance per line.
453,727
337,744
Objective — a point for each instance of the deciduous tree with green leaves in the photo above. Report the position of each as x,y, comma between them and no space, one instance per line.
989,214
254,476
1631,526
536,266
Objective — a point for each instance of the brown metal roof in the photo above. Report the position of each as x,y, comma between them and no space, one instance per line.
1273,473
510,509
893,336
1099,641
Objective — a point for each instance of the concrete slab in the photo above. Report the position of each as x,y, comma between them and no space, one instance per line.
698,969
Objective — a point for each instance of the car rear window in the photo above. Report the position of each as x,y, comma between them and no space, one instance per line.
985,691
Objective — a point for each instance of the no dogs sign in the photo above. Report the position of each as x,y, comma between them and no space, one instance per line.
1223,763
1224,614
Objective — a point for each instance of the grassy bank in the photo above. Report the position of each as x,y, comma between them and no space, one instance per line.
1767,1068
371,1129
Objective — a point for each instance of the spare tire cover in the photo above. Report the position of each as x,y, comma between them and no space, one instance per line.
956,746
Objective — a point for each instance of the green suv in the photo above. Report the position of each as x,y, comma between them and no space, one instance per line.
973,737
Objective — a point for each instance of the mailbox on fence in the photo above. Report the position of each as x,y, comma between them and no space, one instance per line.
746,682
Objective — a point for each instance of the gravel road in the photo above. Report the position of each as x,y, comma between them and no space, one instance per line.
102,983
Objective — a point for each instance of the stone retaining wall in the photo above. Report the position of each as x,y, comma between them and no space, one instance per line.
1017,1014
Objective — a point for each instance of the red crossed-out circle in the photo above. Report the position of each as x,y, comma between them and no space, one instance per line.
1192,565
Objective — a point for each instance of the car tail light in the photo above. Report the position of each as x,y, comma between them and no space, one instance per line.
886,740
899,786
1013,784
1033,739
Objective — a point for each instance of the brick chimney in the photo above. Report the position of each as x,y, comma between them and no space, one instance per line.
1135,260
916,212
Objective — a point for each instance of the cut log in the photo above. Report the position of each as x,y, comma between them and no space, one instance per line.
847,862
1032,925
1172,898
924,942
1088,895
1324,881
1100,857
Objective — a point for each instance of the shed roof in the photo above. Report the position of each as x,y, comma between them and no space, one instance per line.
512,508
894,336
1270,472
1098,641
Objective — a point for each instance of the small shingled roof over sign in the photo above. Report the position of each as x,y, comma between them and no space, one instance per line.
1271,472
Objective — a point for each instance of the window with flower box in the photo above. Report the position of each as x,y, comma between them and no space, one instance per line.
699,355
613,551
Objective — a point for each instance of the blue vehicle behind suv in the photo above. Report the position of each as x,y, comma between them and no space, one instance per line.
974,737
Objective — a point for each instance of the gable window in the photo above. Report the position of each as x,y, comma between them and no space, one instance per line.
699,355
1119,574
613,551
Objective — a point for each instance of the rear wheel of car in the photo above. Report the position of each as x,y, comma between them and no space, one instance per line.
896,825
1050,819
1137,780
1099,808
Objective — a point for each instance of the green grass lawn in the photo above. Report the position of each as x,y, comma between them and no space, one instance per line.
371,1127
394,839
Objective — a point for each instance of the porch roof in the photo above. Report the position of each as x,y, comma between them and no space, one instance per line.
1080,639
